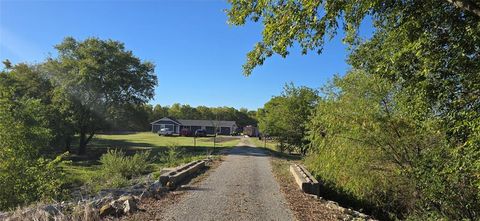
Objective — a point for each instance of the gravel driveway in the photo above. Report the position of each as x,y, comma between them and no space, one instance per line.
241,188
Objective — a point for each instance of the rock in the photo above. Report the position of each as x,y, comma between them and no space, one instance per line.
3,216
114,208
102,201
125,198
106,210
146,194
50,209
155,186
129,206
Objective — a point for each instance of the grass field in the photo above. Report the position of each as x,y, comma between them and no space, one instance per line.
270,144
165,152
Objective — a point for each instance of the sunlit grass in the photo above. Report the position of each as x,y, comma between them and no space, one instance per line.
83,169
270,144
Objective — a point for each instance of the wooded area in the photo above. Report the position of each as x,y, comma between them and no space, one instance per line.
57,106
398,134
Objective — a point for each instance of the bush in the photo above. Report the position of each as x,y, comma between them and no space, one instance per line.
172,155
25,176
114,162
379,144
116,169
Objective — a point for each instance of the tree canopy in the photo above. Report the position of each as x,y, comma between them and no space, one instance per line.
93,78
285,117
310,23
409,106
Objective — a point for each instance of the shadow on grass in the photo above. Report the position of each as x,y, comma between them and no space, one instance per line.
99,146
282,155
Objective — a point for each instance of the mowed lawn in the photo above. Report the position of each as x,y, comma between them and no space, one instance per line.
147,140
83,168
270,144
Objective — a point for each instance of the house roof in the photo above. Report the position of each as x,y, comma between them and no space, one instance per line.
167,118
206,123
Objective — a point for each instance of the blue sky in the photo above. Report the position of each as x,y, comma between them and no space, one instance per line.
198,56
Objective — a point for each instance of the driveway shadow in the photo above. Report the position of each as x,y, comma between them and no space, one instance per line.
247,151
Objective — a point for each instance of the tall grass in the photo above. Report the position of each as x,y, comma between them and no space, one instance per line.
117,169
115,162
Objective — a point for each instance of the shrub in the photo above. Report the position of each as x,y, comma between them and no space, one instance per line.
382,145
172,155
116,168
25,176
115,162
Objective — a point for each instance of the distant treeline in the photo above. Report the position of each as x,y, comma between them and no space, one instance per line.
59,104
139,117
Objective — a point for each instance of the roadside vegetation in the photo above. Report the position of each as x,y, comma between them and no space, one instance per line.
120,160
52,113
270,143
399,133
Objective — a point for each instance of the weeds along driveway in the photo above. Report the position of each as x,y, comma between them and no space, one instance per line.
241,188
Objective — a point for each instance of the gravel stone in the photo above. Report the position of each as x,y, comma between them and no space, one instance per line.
241,188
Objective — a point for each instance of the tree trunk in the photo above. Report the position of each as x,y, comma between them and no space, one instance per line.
68,143
84,140
82,146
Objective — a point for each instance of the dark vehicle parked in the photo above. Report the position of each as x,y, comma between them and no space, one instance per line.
186,132
200,133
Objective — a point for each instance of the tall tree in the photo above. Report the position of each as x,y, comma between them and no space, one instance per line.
428,50
31,82
93,76
286,116
309,23
25,176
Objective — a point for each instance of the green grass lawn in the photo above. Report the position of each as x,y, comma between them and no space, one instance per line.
145,140
165,152
271,144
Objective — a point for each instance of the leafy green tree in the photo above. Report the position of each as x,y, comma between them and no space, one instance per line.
7,63
175,111
428,51
159,112
243,117
25,176
309,23
31,82
94,76
130,117
367,140
285,117
205,112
